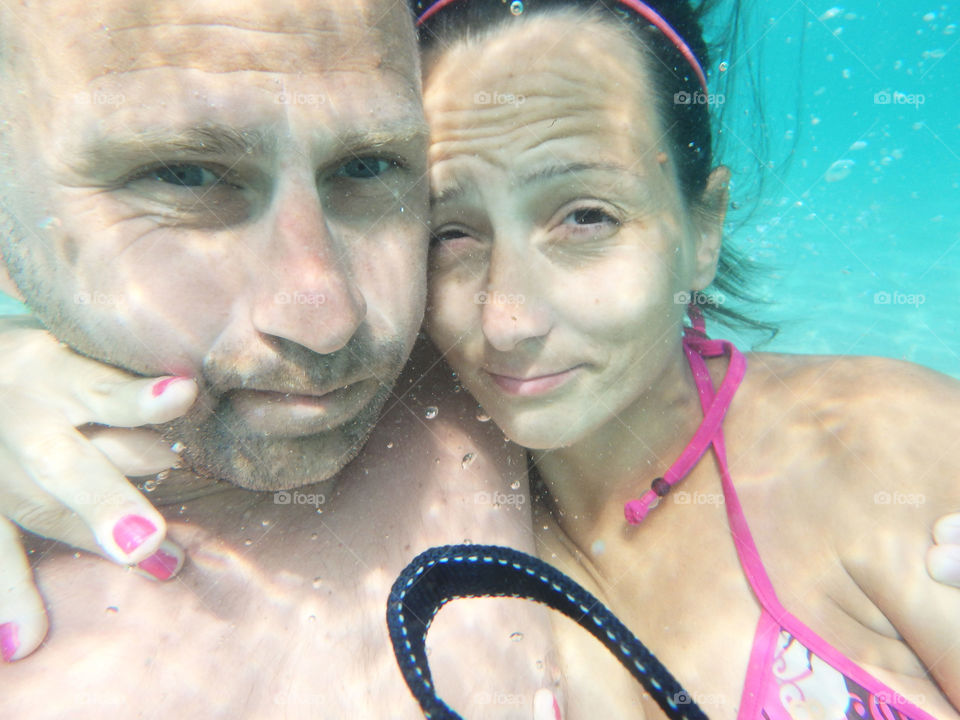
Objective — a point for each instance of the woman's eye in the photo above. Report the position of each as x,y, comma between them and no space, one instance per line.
589,216
446,236
365,168
187,176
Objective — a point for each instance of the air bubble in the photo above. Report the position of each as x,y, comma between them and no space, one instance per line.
468,460
516,7
516,636
482,415
431,412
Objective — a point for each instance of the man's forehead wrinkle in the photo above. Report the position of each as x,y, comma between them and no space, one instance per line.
218,49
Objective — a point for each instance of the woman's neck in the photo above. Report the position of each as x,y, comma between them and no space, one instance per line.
591,480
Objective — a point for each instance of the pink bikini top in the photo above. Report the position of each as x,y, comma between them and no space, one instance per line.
793,672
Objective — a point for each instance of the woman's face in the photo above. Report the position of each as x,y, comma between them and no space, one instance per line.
561,252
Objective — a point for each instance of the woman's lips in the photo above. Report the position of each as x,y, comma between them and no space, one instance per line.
535,385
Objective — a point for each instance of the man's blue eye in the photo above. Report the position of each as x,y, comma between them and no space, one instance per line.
184,175
365,168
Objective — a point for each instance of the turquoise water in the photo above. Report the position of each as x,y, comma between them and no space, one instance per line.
861,228
859,225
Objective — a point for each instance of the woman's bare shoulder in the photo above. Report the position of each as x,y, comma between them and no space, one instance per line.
857,379
875,412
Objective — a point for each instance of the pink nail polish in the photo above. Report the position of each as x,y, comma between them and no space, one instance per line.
9,641
556,709
130,532
162,565
161,385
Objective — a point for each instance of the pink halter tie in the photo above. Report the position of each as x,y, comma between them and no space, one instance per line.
696,346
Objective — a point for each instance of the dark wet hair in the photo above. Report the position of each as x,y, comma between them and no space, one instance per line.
688,124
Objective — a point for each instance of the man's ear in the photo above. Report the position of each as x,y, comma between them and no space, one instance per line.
711,212
7,285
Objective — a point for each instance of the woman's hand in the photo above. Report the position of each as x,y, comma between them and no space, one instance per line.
62,472
943,557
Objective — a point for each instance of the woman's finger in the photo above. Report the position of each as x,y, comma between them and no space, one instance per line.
23,621
943,564
59,460
135,452
545,706
124,401
946,531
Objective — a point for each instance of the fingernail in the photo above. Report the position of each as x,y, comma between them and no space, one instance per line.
556,709
9,642
162,565
161,385
130,532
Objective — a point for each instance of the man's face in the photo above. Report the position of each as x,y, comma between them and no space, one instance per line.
231,191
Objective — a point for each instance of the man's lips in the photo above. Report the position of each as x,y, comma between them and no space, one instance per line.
279,413
530,385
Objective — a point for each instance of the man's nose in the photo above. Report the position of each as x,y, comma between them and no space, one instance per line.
513,309
306,291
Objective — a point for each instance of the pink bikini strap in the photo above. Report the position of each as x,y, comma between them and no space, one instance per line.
742,538
696,346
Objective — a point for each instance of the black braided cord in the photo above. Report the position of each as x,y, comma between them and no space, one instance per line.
441,574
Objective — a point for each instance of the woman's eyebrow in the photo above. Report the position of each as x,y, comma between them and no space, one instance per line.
455,191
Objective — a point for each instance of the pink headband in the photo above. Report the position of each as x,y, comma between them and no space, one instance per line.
637,6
